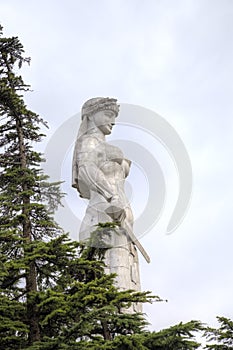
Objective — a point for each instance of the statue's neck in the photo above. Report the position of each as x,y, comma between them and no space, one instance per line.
97,132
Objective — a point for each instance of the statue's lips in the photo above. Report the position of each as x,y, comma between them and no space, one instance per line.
108,127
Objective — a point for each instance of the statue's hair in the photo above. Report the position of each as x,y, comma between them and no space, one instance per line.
97,104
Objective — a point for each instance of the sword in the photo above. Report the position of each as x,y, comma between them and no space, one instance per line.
118,214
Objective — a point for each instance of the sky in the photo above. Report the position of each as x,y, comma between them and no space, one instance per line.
174,58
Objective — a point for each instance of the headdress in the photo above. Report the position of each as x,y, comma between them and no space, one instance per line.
97,104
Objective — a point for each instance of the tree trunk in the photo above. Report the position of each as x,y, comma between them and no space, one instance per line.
106,333
31,282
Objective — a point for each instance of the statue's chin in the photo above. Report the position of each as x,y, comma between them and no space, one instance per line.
105,130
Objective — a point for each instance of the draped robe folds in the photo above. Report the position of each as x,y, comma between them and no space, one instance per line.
99,172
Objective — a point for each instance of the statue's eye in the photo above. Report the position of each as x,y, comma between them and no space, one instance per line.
109,114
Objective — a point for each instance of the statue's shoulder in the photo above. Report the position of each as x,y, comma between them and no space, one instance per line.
88,142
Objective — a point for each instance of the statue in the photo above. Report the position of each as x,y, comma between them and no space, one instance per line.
99,172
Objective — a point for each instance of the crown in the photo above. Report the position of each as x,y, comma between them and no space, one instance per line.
97,104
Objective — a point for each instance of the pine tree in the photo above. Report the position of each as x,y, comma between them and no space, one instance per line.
24,219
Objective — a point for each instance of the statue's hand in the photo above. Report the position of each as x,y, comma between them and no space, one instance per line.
115,209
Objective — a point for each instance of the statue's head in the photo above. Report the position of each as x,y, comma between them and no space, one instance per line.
101,112
98,104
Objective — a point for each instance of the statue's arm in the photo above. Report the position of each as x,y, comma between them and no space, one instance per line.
93,177
88,156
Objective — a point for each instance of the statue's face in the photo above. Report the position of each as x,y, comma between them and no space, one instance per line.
104,120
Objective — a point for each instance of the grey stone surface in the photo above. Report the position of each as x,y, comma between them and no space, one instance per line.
99,172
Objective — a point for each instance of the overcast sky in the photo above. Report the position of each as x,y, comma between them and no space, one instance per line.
172,57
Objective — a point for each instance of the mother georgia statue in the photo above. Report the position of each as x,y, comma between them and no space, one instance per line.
99,172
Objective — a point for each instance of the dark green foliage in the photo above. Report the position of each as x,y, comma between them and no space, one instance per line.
221,338
13,329
181,336
25,218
